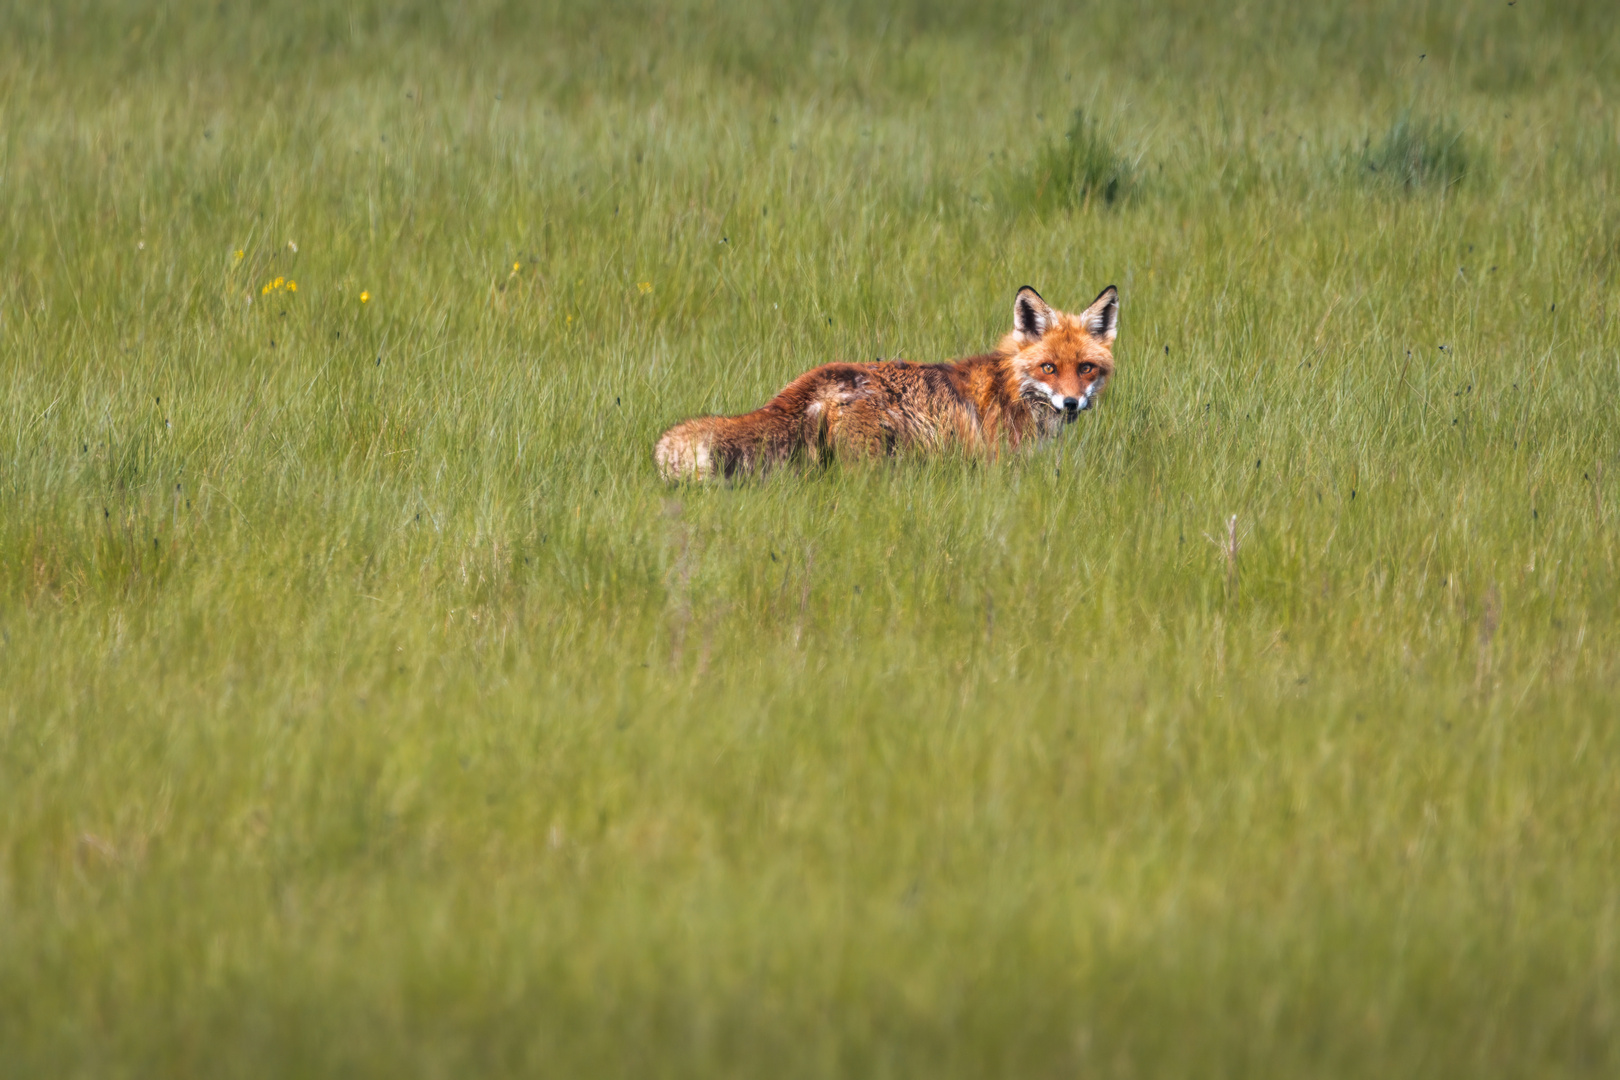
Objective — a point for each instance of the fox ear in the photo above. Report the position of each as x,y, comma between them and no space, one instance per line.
1102,317
1031,315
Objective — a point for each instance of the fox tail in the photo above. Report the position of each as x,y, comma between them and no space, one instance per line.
725,445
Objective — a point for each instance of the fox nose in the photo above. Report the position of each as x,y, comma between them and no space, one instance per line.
1071,404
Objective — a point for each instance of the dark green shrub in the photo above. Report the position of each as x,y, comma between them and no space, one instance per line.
1418,152
1081,168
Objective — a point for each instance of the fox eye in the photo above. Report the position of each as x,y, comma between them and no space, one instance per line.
1087,369
1048,368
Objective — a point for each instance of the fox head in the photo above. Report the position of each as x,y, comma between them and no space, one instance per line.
1061,361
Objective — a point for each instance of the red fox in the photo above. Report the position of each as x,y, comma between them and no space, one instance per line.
1049,369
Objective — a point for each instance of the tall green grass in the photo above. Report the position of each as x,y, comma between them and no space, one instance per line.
367,706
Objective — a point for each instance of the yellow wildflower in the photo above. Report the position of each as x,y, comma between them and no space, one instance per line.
292,286
644,286
279,282
240,254
365,298
516,267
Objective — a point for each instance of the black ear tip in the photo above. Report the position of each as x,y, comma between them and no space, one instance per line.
1022,289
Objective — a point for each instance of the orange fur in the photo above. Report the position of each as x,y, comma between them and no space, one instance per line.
1047,370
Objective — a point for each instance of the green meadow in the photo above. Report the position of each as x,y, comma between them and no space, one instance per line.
369,708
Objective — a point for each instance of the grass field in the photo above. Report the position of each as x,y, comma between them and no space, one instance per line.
368,707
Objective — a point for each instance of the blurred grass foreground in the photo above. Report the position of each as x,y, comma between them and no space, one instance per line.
368,708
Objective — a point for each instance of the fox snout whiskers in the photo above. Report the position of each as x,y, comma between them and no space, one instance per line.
1067,406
